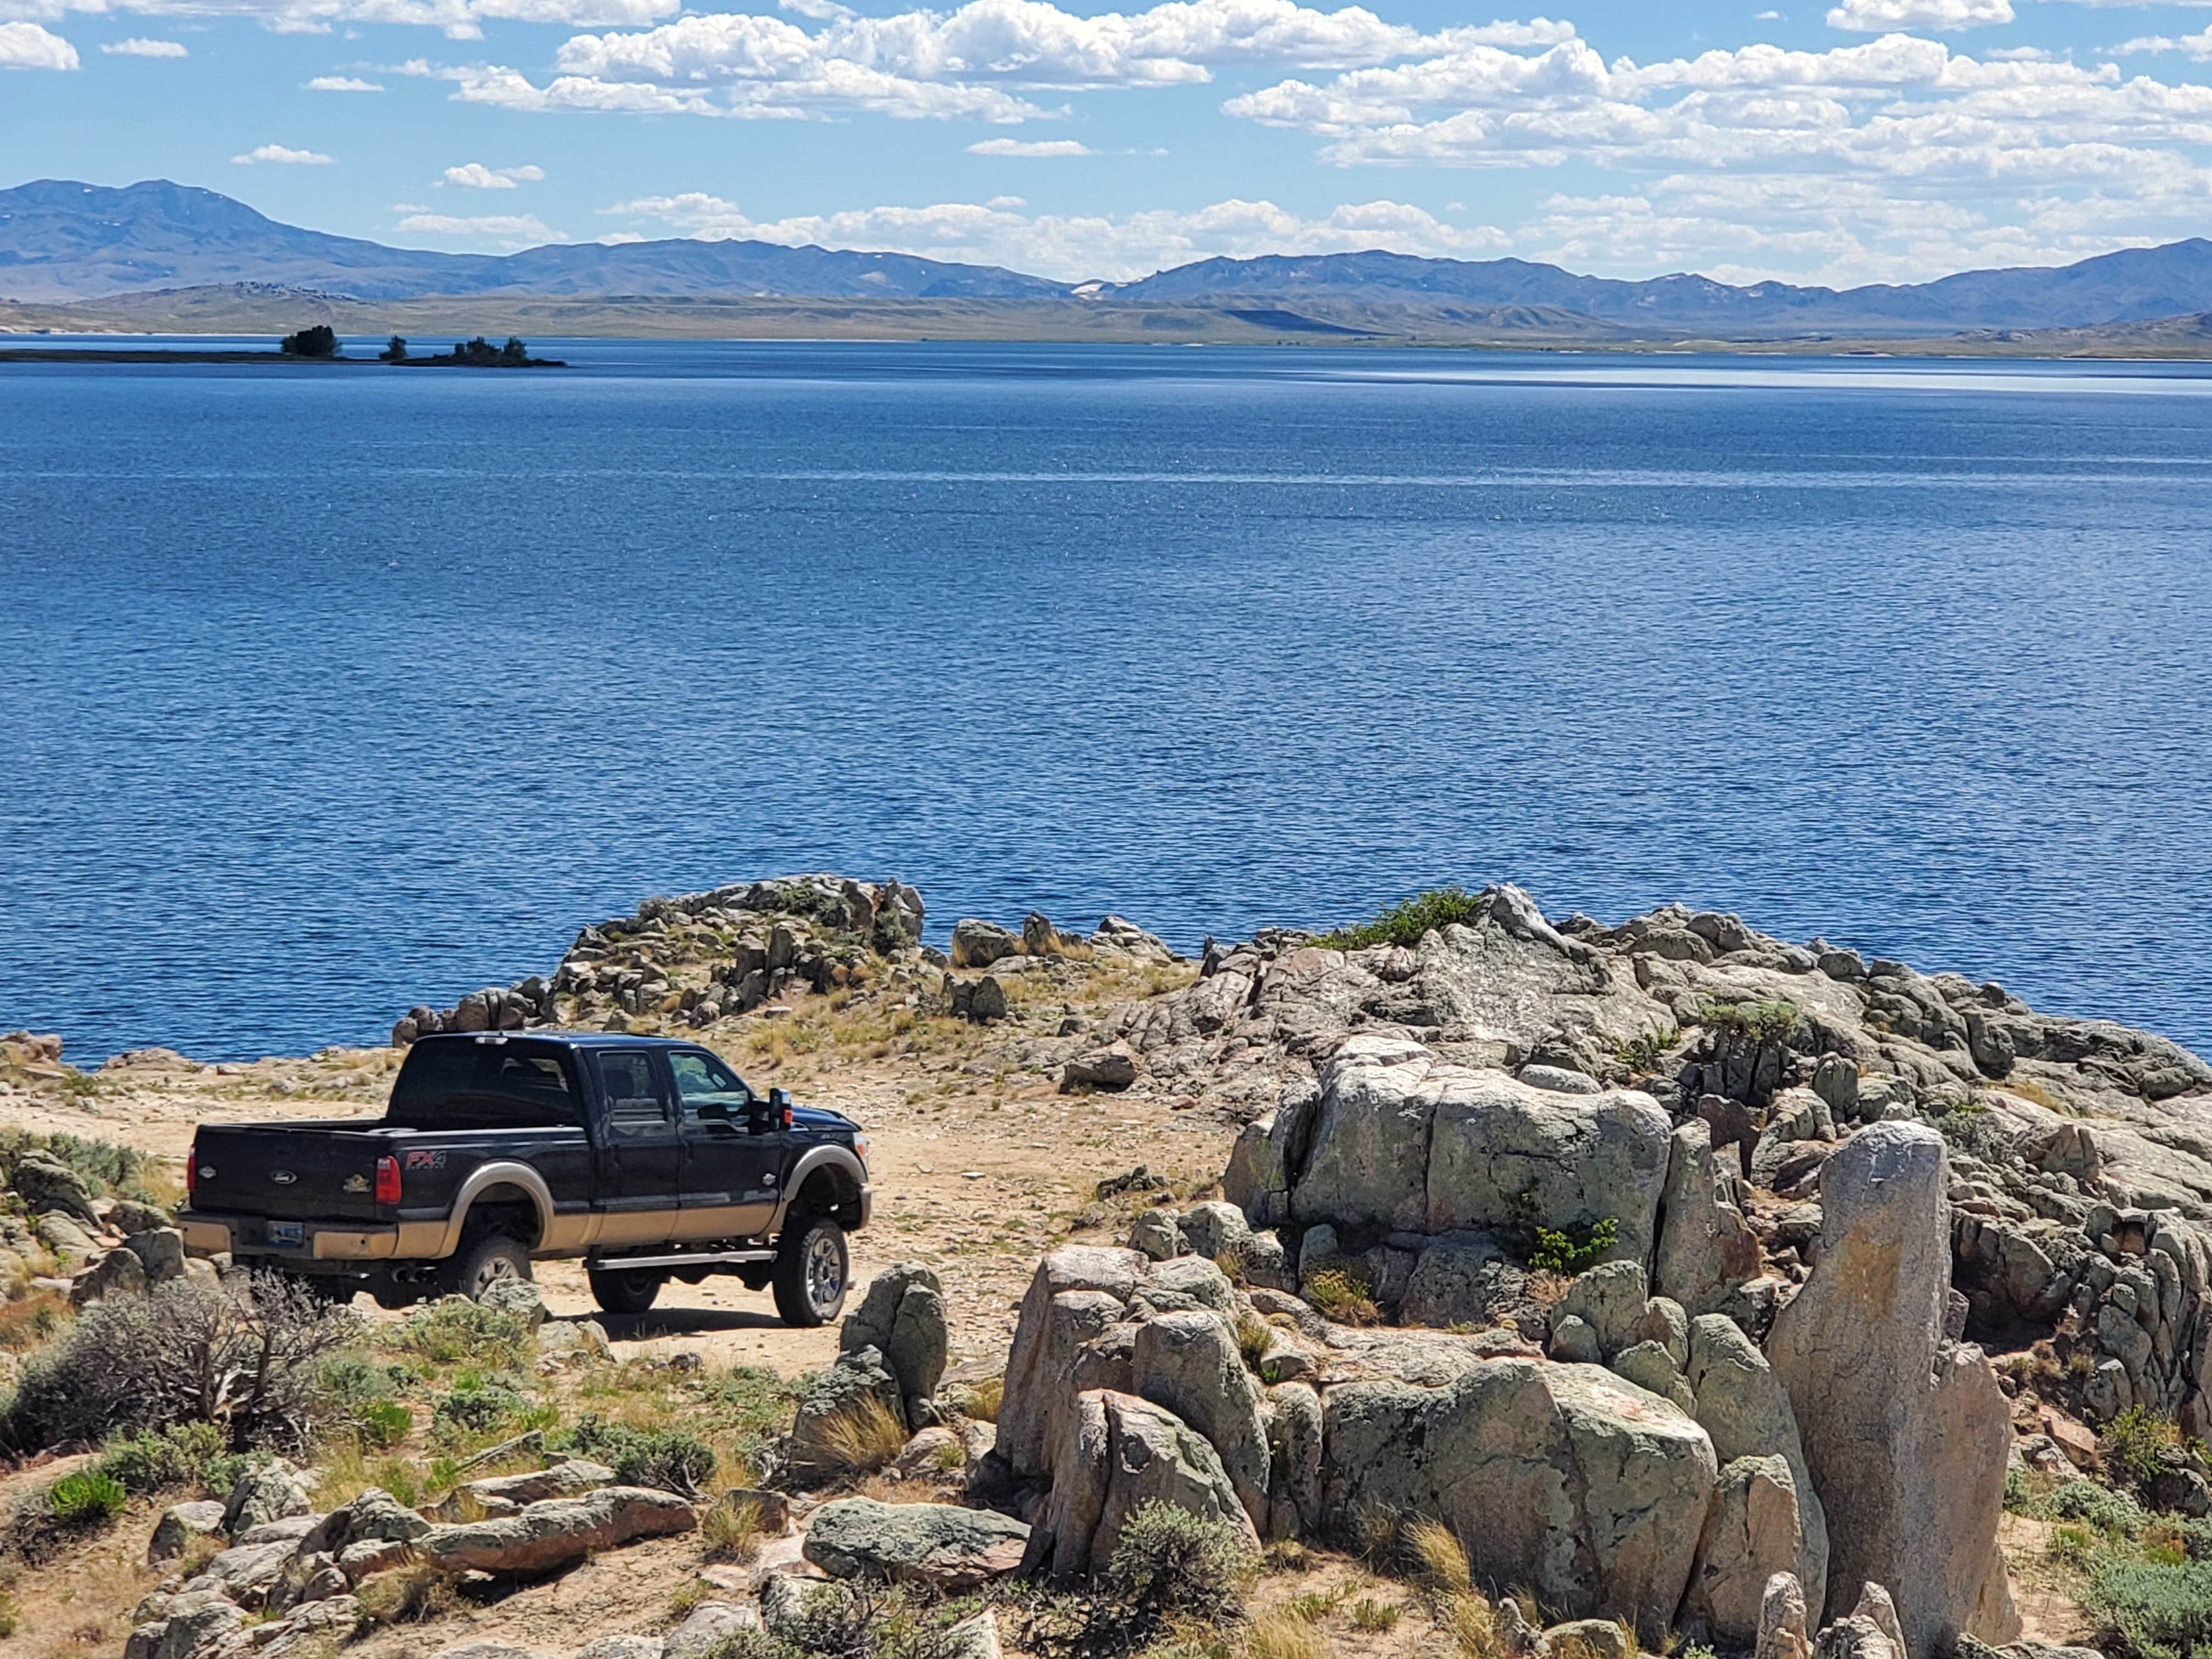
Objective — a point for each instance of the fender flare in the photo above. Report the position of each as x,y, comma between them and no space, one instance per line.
841,1158
486,1175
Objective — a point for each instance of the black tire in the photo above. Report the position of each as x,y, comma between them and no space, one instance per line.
482,1261
625,1290
812,1268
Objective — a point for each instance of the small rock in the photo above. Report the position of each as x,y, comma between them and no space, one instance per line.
180,1524
1559,1080
1111,1068
709,1625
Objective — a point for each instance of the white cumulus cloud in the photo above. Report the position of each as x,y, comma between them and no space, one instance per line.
26,45
509,230
1035,150
137,47
978,61
281,155
474,175
1073,247
342,83
1877,16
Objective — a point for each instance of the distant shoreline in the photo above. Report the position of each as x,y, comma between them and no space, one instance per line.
185,355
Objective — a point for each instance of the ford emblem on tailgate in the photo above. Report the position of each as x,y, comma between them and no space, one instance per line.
354,1183
282,1177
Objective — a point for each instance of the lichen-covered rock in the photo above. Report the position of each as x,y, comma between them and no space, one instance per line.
707,1627
1118,1453
1754,1531
1565,1478
940,1544
839,1392
1077,1291
558,1531
271,1493
1187,1361
902,1316
1706,1248
180,1523
1905,1434
1743,1405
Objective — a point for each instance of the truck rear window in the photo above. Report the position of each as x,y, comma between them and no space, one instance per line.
484,1086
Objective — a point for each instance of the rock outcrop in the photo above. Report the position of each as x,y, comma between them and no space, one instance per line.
1905,1434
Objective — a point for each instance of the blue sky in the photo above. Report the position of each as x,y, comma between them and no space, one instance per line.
1869,140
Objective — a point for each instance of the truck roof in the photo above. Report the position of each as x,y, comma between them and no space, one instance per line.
570,1039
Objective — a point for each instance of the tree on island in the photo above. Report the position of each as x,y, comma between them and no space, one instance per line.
320,341
394,353
514,353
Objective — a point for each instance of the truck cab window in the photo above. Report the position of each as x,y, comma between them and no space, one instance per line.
634,1101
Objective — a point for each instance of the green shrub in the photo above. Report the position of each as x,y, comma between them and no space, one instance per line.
1409,921
667,1458
87,1498
2135,1443
2112,1513
2160,1610
105,1167
756,1402
1643,1052
475,1406
1559,1252
1754,1022
2021,1497
1341,1289
184,1454
2195,1537
11,1614
1171,1564
455,1330
382,1423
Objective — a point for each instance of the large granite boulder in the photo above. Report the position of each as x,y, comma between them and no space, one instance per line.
1405,1141
1706,1251
1187,1361
1120,1453
1564,1478
1906,1433
1754,1529
1076,1293
1743,1405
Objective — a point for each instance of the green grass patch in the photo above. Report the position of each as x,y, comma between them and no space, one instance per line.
1410,920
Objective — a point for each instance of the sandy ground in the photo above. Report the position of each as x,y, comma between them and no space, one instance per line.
977,1168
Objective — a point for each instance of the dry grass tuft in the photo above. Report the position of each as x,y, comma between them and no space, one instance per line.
1282,1635
861,1439
1255,1337
1473,1625
732,1532
984,1399
411,1595
1438,1558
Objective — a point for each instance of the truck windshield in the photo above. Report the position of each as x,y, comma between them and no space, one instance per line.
484,1086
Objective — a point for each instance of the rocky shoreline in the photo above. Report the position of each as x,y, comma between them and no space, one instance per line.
1706,1287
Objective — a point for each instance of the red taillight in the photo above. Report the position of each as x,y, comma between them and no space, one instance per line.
388,1181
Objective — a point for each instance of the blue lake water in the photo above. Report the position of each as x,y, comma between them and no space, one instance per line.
326,691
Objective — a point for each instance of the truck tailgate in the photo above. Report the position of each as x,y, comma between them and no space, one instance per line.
302,1171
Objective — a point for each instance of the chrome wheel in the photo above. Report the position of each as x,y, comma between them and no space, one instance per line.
825,1272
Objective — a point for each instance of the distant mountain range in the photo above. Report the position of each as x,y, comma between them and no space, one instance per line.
64,242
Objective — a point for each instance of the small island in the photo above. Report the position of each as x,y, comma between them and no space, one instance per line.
318,344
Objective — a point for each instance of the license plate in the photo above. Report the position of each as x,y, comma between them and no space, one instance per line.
286,1232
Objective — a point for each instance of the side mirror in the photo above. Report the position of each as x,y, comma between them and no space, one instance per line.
779,1101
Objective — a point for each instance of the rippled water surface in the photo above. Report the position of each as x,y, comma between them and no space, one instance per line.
326,691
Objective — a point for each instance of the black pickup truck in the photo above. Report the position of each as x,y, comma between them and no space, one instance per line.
648,1158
